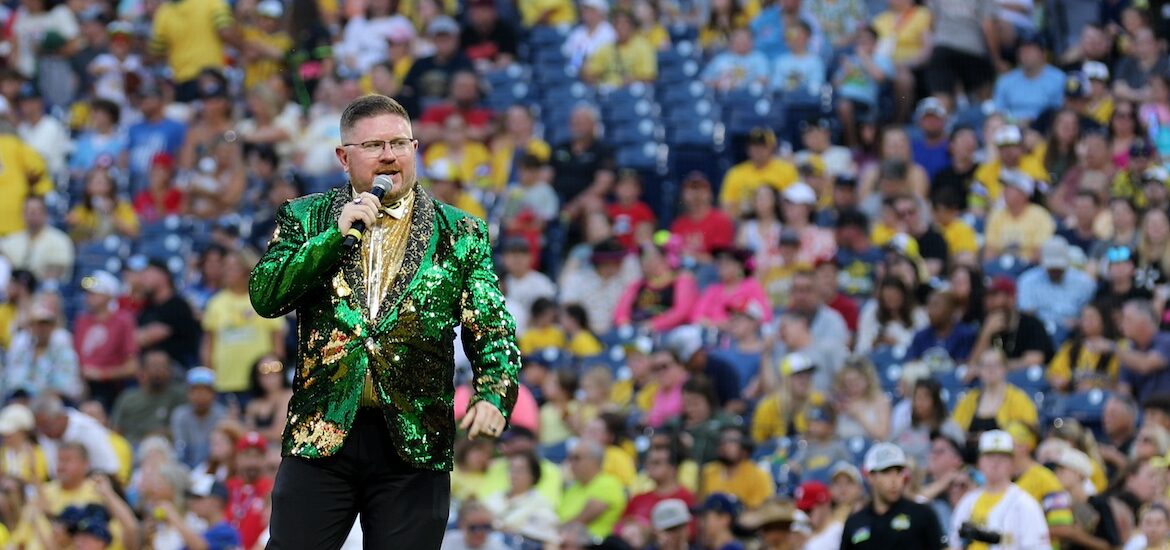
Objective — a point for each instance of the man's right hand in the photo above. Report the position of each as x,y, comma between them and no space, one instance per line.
364,208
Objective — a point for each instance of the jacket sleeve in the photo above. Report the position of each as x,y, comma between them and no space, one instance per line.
489,332
293,264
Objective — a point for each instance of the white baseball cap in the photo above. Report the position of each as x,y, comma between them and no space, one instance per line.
1018,180
1076,461
796,363
884,456
996,442
1008,135
669,513
1095,70
270,8
1054,254
800,193
102,282
16,418
600,5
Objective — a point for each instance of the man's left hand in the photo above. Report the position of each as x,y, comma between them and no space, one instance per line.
483,419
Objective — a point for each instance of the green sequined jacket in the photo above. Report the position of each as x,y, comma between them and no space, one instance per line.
447,278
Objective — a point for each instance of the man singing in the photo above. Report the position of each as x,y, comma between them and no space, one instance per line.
371,423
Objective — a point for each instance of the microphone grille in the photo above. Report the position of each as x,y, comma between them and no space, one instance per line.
382,183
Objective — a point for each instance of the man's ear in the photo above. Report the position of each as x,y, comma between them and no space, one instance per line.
342,157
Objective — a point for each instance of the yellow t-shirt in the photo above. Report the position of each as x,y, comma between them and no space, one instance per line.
743,179
241,337
1017,406
769,421
29,465
656,36
554,12
22,172
748,482
496,480
260,70
504,154
7,318
604,488
474,162
536,339
617,64
619,464
584,344
1029,231
981,513
988,174
960,237
467,484
1102,110
1042,484
58,499
907,32
882,234
1086,364
623,394
553,427
88,225
125,454
187,31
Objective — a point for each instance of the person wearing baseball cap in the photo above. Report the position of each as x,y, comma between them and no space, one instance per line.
1020,335
1018,224
718,516
762,167
999,510
1009,143
1036,479
813,498
778,523
1054,292
890,520
670,518
108,366
786,409
249,488
1074,469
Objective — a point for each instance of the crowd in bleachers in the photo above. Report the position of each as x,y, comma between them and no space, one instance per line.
745,242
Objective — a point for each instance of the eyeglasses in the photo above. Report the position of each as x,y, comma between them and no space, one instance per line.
480,528
372,147
1118,254
271,367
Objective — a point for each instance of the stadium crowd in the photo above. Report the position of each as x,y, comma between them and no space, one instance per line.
785,273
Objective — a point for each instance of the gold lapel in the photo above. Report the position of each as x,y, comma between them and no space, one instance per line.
351,267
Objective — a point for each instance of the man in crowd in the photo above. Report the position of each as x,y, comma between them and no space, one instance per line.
192,423
999,508
146,408
891,520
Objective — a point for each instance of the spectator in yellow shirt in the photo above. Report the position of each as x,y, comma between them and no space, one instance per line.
761,168
266,44
470,159
509,146
735,473
1018,224
23,174
629,59
101,213
191,34
595,499
447,187
543,331
1009,141
553,13
962,241
580,339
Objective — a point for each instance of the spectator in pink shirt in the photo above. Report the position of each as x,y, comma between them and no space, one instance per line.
664,298
671,375
735,287
104,339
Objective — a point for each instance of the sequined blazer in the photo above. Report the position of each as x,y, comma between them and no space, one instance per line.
447,279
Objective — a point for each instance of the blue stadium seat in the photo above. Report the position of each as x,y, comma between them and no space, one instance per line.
682,95
555,453
1031,379
638,156
632,132
1088,408
542,37
701,134
858,446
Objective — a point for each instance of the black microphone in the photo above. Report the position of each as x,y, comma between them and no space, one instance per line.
354,235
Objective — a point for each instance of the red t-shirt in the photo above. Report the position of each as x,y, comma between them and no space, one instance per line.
245,509
642,505
148,210
474,117
705,234
104,344
627,218
848,310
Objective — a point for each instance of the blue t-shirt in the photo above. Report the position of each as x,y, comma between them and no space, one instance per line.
857,85
90,147
1024,98
957,345
1145,385
147,139
222,536
933,158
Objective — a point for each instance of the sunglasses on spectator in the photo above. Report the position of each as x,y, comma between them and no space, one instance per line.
1118,254
271,367
480,528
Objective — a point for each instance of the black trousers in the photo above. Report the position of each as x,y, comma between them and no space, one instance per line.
314,501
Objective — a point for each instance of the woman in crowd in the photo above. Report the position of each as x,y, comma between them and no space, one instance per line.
1153,249
994,404
472,458
734,287
925,414
521,504
890,320
1060,150
1124,128
267,126
760,231
1086,360
968,286
271,393
863,410
517,137
101,213
798,210
161,198
663,299
221,458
